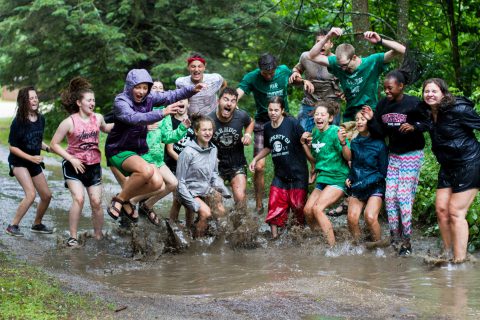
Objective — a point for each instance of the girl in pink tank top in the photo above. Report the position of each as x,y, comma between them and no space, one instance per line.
81,164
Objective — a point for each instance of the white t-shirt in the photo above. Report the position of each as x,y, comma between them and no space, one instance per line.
205,101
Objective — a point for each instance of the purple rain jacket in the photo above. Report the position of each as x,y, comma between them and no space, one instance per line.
130,131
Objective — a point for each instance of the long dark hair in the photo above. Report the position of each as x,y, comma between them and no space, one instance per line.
448,98
23,104
76,89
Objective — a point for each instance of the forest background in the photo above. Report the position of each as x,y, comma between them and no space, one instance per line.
47,42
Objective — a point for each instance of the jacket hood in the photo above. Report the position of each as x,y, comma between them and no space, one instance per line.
193,144
464,101
134,77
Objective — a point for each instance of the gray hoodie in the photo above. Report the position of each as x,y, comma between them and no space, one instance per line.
197,174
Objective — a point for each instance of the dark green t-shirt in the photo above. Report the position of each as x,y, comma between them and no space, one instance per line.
330,165
361,86
263,90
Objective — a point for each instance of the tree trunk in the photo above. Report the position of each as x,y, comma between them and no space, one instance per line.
454,41
402,16
360,23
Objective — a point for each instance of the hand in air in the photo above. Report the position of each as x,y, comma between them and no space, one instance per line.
342,135
199,87
334,32
367,112
372,37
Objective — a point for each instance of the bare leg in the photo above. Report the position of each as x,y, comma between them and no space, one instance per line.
308,209
76,190
372,209
45,194
25,181
259,183
443,217
327,197
95,195
458,207
203,214
239,188
355,207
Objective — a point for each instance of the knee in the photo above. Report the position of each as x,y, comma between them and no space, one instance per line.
370,218
259,168
147,172
47,197
157,182
352,219
172,186
95,204
204,214
30,196
442,213
78,199
307,211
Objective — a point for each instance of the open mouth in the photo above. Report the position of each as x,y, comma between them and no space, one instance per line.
226,111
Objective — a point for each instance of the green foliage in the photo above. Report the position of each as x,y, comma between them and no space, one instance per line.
28,293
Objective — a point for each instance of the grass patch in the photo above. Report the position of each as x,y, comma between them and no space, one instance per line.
28,293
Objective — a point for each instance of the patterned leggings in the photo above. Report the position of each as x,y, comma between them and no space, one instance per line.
402,180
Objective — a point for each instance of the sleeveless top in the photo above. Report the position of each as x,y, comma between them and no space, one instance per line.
83,141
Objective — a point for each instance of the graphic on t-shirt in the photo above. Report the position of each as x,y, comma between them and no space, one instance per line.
33,139
277,142
317,146
277,146
394,119
227,136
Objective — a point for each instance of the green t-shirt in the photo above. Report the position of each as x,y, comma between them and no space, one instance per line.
263,90
330,165
361,86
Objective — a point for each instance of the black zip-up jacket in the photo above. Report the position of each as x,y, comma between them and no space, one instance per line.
453,140
390,115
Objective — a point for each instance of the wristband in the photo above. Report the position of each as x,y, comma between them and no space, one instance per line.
380,42
47,149
343,144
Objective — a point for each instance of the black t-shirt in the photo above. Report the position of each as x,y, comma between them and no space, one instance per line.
289,160
390,115
178,146
228,139
27,136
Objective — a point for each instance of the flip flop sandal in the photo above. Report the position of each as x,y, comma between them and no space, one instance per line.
112,208
149,213
335,213
131,215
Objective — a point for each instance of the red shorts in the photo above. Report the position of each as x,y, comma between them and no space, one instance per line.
281,200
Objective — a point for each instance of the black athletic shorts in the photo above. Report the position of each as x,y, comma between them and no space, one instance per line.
230,173
460,178
33,169
91,177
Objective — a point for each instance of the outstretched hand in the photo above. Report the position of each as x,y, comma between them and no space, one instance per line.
367,112
372,37
295,75
342,135
199,87
334,32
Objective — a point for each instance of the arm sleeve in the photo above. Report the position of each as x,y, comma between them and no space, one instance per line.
383,159
470,118
375,125
13,137
185,196
420,119
167,134
246,84
125,113
168,97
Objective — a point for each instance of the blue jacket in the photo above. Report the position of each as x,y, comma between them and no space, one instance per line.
369,162
130,131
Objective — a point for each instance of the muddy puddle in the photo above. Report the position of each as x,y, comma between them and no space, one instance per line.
242,264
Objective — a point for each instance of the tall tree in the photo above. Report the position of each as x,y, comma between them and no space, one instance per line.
360,24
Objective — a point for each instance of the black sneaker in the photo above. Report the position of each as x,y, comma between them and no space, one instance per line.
72,243
41,228
14,230
405,250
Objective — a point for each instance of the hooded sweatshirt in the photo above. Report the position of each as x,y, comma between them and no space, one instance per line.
130,118
197,174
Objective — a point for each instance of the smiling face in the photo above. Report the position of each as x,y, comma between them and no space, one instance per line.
361,124
432,94
392,88
322,118
275,112
86,105
32,100
226,105
204,133
139,92
196,69
157,86
182,107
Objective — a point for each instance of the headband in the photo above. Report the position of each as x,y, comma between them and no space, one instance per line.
191,59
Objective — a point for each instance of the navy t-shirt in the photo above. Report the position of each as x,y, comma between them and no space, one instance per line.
178,146
289,160
228,139
28,137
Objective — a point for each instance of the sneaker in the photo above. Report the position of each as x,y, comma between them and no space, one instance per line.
405,250
72,243
41,228
14,230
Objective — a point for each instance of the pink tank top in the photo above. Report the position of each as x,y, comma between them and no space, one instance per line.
83,141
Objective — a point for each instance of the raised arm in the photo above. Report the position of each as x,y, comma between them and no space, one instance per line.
315,52
396,49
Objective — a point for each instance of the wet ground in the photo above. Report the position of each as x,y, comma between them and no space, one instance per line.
239,273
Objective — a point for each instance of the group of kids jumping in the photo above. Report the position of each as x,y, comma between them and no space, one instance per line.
190,140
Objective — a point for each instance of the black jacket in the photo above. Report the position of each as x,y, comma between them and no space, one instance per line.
453,140
390,115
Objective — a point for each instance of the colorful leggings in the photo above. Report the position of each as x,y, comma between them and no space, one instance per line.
402,180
